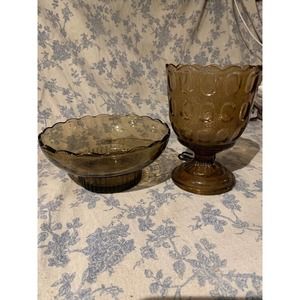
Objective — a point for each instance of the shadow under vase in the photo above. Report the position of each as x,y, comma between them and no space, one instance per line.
240,155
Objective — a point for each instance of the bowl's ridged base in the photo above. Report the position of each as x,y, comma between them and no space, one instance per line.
112,184
202,178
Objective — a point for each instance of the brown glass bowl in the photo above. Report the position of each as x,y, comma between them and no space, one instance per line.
105,153
209,108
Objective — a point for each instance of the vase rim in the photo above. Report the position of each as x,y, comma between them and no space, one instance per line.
219,67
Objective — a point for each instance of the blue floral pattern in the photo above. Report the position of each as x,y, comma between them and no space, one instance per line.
154,240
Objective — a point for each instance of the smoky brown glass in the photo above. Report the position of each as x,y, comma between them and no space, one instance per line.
105,153
209,108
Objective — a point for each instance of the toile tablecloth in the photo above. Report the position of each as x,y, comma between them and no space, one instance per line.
154,240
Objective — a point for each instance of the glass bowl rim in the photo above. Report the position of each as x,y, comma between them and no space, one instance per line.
94,154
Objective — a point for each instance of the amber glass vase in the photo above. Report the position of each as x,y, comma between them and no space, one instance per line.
209,108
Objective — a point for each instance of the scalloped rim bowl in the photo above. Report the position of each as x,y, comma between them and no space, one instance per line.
105,153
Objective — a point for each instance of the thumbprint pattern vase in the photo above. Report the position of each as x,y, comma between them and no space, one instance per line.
209,108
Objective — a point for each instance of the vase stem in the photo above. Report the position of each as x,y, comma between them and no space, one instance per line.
205,159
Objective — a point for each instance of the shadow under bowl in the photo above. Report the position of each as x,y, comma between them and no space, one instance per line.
105,153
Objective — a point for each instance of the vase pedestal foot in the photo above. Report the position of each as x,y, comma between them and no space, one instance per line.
203,178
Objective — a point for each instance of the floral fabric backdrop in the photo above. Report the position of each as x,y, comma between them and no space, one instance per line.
154,240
